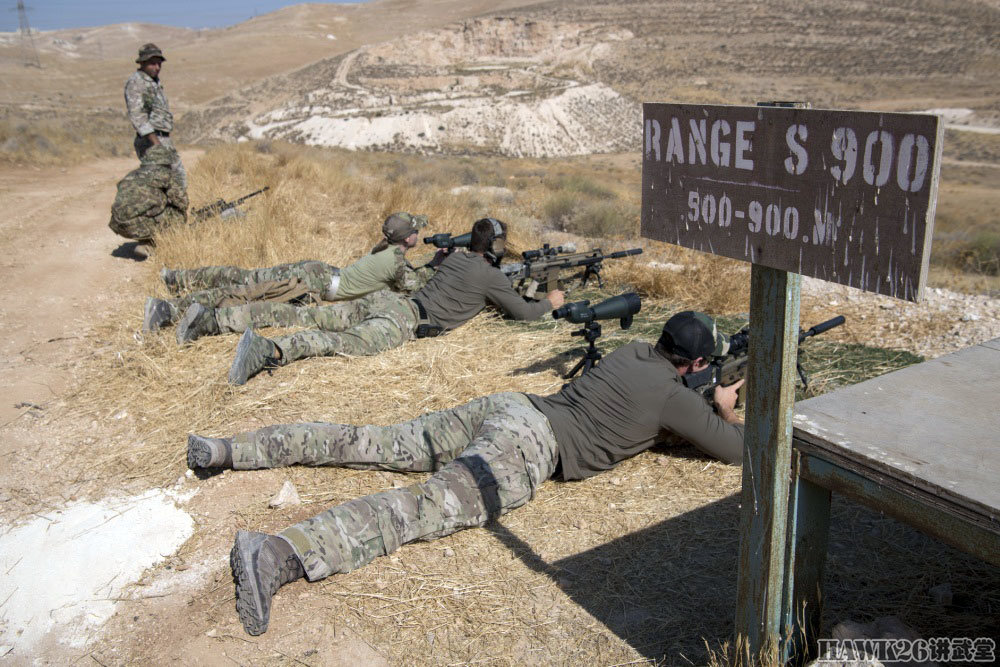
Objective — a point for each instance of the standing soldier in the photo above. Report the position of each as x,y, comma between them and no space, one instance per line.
147,106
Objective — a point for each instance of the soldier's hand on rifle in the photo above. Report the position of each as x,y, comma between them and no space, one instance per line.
153,139
725,401
557,298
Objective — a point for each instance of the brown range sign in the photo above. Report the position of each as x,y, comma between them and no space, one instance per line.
844,196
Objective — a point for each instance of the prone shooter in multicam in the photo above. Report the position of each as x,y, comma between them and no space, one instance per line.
222,299
487,457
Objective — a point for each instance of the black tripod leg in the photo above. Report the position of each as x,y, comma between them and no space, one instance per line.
580,364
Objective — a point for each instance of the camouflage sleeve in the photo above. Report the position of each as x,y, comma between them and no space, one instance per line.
409,279
137,112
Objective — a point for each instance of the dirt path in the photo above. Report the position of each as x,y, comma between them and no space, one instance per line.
64,272
59,267
57,257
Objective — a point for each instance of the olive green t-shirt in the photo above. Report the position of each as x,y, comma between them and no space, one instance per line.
619,407
384,269
462,286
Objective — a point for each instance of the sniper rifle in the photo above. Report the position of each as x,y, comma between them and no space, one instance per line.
732,366
541,269
223,208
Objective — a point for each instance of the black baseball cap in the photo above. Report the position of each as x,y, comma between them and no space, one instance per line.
691,334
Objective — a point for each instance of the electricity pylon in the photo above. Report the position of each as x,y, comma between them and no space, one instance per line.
29,54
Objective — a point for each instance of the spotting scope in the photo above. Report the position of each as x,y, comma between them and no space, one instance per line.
448,241
623,306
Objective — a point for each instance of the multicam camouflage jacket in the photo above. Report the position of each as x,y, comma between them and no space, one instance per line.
149,198
147,104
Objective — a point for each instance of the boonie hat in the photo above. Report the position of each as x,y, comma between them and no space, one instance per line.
691,334
148,51
398,226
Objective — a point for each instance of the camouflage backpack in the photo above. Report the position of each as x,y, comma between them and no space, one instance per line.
149,198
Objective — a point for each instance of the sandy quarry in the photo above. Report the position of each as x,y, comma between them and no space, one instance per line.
559,79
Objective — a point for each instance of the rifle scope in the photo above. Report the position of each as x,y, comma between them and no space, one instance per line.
546,251
623,306
448,241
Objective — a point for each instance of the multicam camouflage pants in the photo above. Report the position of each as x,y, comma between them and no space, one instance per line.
316,275
229,299
489,456
374,323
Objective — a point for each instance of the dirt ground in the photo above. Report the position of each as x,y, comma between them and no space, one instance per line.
64,271
66,274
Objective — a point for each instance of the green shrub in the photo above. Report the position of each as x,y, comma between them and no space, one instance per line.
982,254
603,219
559,208
581,185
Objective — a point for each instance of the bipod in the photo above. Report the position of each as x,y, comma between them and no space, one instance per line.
591,331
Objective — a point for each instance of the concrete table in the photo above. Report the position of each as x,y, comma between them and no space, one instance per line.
921,444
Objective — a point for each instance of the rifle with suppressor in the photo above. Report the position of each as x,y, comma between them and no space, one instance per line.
223,208
540,271
732,367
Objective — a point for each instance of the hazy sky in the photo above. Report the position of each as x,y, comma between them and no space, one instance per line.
56,14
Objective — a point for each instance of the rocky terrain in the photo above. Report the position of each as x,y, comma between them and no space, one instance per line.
501,84
560,78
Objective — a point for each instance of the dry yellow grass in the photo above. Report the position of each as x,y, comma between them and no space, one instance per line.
634,566
52,138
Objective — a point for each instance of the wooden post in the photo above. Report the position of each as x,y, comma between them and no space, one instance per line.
843,196
767,448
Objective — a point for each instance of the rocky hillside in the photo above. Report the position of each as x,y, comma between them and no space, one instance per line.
510,85
566,78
